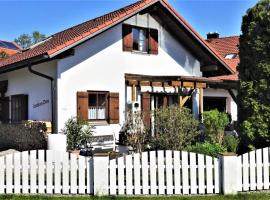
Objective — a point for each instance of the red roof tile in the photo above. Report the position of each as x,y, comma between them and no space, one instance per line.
224,46
77,33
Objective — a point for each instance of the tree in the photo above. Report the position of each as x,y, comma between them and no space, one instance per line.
3,55
254,74
26,40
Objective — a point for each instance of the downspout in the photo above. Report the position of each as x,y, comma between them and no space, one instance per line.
52,90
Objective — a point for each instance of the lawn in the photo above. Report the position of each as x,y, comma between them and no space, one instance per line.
245,196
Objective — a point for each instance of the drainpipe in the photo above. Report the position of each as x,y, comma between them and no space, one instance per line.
52,89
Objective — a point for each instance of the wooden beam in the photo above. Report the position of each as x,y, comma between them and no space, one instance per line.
145,83
200,85
132,82
188,84
133,94
183,101
156,84
175,83
209,68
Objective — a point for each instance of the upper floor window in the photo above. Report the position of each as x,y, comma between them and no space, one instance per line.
230,56
140,39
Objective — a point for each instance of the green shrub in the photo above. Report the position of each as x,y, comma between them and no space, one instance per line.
79,133
215,123
174,128
231,143
23,137
207,148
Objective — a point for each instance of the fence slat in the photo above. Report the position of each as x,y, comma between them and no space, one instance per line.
266,168
252,170
112,177
259,169
153,173
49,171
41,172
161,187
176,167
209,175
57,172
193,174
73,174
82,168
9,173
216,178
169,180
129,176
25,161
137,174
121,180
145,173
33,172
65,174
245,167
185,175
201,173
2,175
17,173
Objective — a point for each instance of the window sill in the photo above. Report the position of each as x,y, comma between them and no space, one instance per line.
99,122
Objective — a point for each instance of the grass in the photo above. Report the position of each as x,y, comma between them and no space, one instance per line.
244,196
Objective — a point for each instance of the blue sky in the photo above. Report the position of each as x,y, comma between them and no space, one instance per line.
51,16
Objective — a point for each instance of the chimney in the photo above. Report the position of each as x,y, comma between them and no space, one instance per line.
212,35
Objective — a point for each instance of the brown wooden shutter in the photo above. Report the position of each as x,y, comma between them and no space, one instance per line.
153,41
4,109
114,108
146,108
82,105
127,38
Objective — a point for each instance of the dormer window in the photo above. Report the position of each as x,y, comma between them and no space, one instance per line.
230,56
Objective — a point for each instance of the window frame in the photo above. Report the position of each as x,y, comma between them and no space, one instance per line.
106,93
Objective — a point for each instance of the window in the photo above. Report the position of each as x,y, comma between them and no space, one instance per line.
19,108
140,39
97,104
231,56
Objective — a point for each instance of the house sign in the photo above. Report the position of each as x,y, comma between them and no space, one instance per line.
45,101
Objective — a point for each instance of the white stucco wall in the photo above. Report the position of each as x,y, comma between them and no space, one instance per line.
100,64
231,106
37,88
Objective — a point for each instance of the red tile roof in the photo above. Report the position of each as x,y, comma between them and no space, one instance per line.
74,35
231,77
224,46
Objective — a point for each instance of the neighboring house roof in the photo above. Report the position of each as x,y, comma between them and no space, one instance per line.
226,46
9,47
73,36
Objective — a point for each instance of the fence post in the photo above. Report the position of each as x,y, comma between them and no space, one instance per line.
230,170
101,175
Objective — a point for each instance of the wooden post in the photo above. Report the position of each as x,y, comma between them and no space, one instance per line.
133,95
180,101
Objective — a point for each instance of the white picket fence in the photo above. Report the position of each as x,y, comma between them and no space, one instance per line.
45,172
164,172
254,173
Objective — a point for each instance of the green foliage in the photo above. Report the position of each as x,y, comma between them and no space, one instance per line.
215,123
23,137
231,143
174,128
79,133
26,40
3,55
254,74
207,148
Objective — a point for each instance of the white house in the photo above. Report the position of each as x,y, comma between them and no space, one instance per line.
142,56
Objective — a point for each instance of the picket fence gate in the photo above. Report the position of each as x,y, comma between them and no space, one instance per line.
254,172
45,172
164,172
